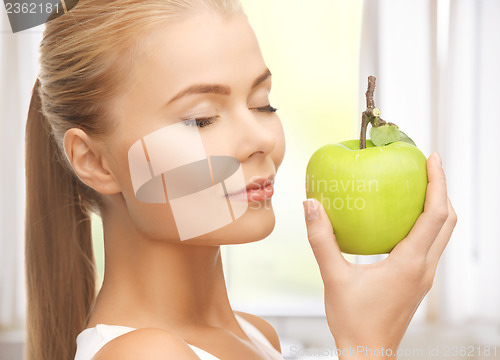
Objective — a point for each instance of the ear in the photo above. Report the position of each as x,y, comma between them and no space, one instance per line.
88,163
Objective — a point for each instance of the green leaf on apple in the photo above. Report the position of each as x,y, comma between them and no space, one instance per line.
384,134
406,138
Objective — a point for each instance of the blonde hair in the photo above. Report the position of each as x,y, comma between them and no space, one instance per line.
83,56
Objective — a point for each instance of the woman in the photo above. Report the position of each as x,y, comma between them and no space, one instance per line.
131,95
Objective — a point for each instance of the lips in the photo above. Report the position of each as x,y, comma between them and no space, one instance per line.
260,183
257,183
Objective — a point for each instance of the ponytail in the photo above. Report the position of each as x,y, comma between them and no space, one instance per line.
60,268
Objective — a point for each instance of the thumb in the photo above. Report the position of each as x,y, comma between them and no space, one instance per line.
322,239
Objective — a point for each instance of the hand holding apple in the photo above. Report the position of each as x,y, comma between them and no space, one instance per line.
370,306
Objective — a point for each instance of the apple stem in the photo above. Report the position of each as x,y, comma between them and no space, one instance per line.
371,115
370,103
364,125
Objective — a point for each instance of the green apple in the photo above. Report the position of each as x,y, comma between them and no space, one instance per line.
372,196
372,190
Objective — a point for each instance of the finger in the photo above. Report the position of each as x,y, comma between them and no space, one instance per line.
443,238
430,222
322,239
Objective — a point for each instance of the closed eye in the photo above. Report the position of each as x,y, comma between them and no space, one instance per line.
201,122
267,108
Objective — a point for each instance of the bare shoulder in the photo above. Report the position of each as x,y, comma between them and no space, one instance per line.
154,344
264,327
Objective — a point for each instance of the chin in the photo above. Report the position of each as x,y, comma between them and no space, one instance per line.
254,225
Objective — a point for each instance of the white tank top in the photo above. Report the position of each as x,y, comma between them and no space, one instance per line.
91,340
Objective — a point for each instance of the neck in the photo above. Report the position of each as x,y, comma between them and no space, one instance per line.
157,283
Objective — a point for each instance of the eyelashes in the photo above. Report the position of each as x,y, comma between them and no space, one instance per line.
204,122
267,108
200,122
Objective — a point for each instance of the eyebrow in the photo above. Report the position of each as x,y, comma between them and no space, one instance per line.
216,88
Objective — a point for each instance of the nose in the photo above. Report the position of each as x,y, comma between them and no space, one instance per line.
254,134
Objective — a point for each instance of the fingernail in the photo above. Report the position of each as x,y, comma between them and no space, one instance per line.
438,159
311,210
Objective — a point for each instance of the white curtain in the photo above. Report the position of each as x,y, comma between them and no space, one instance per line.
18,69
471,84
437,64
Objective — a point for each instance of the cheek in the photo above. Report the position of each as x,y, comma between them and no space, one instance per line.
173,190
156,216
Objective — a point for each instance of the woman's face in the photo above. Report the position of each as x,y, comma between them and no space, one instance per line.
208,68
